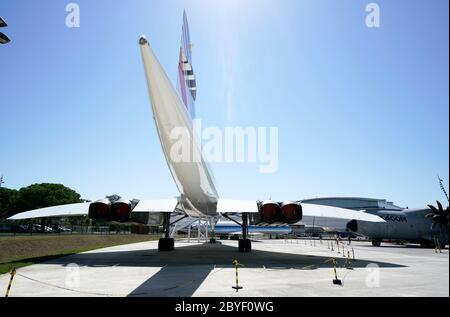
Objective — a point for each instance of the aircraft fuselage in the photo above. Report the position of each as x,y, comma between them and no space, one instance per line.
402,225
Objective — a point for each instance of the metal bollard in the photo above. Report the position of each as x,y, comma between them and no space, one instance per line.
353,251
336,281
348,263
13,272
237,287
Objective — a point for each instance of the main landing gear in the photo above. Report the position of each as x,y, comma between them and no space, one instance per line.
376,243
212,222
245,244
166,243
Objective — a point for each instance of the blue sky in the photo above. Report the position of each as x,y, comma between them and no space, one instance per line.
360,112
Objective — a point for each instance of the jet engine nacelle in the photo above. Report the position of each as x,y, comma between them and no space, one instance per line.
292,212
121,210
103,209
352,226
270,211
100,209
288,212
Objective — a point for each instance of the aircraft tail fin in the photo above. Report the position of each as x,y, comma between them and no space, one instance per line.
186,84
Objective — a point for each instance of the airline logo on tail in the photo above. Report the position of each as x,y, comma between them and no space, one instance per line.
187,87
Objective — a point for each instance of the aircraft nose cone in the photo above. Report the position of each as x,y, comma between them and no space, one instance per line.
143,40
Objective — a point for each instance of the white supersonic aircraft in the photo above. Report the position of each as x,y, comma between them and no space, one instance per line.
198,197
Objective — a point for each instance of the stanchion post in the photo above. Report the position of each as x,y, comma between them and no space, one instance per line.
336,281
348,264
237,287
13,272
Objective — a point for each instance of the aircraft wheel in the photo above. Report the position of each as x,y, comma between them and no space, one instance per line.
212,241
376,243
166,244
245,245
427,245
248,245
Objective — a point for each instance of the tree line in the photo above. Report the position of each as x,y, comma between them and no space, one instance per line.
35,196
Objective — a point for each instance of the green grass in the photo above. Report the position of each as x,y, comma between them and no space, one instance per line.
16,252
7,267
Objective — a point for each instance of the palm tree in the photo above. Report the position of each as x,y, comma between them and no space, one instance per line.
440,217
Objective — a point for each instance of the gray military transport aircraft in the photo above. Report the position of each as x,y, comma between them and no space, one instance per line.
429,227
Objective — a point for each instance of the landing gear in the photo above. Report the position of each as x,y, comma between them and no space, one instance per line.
376,243
245,245
166,243
212,223
427,244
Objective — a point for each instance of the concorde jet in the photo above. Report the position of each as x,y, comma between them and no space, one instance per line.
173,108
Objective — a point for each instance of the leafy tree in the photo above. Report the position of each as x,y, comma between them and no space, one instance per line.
8,199
45,195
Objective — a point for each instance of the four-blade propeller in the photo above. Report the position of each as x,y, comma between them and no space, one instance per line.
439,215
3,38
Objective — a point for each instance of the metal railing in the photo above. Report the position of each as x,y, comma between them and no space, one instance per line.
71,230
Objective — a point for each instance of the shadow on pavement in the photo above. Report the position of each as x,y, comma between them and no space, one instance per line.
183,270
